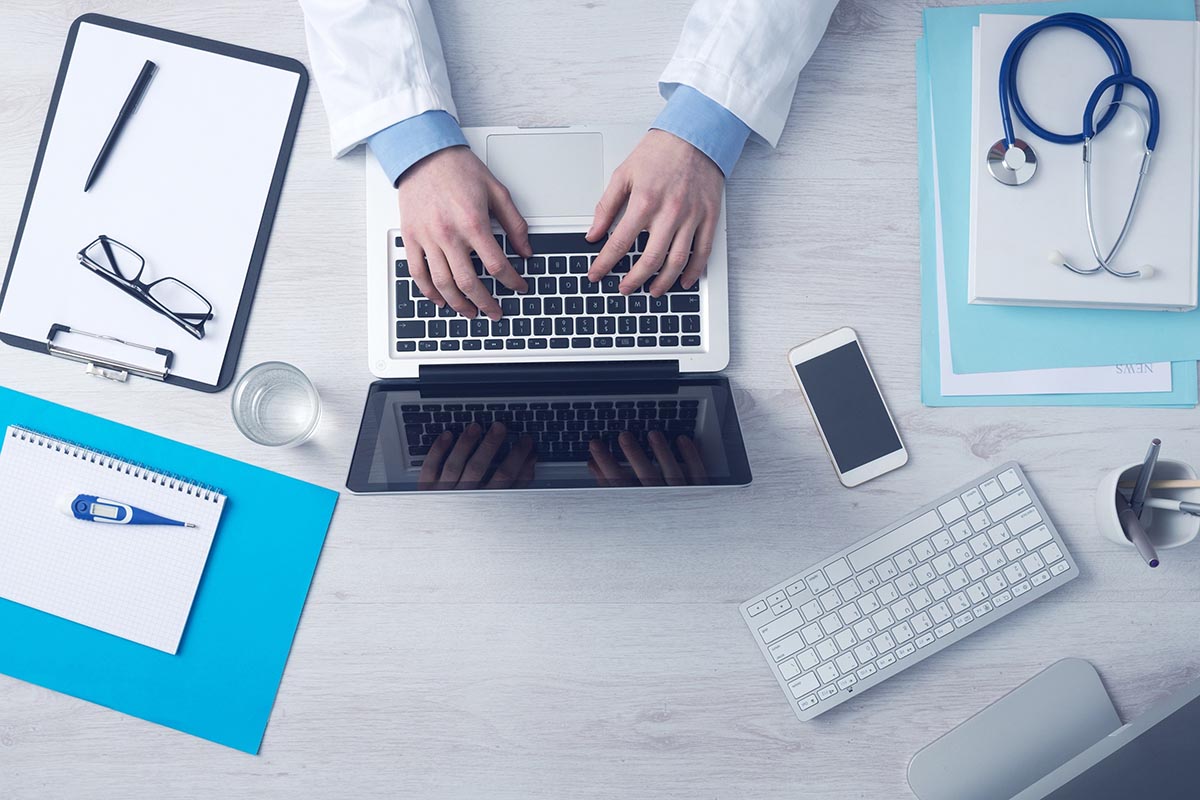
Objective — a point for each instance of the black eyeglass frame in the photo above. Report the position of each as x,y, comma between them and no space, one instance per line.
140,290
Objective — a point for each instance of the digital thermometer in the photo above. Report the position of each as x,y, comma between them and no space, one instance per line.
90,508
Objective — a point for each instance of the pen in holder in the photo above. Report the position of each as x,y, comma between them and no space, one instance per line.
1165,529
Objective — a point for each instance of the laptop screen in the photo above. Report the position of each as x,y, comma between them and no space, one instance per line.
549,436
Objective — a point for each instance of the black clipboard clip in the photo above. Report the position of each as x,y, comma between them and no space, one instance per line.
109,367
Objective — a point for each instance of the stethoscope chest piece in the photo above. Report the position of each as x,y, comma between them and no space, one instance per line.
1012,165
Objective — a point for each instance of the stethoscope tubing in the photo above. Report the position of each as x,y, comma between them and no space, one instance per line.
1010,99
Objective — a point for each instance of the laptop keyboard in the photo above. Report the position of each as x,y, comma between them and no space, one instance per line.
561,430
562,311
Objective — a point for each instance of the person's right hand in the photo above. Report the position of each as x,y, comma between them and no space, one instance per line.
644,471
446,203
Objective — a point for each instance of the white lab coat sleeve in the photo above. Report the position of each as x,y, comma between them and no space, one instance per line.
747,56
377,62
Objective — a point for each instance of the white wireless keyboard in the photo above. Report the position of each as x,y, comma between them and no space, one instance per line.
895,598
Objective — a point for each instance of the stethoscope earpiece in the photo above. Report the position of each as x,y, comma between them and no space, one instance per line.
1013,162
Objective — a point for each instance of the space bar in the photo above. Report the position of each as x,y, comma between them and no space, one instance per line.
895,540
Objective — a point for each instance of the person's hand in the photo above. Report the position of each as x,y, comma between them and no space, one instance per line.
672,190
668,472
446,200
463,462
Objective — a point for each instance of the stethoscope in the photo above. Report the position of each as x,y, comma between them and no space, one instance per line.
1013,162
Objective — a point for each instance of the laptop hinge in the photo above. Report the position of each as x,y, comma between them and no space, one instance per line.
560,373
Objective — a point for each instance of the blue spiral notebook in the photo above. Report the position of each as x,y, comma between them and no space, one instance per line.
221,683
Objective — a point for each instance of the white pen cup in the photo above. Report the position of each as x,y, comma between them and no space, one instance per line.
1165,529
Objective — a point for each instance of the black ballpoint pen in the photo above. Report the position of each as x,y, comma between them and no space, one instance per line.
130,106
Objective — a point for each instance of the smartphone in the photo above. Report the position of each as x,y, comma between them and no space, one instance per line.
844,399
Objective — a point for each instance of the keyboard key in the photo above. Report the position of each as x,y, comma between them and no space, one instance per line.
638,304
952,510
691,341
564,243
493,344
807,683
410,329
647,341
427,345
1036,537
558,343
786,647
406,346
685,303
624,341
780,626
402,268
973,500
837,571
961,531
1009,480
1023,520
991,490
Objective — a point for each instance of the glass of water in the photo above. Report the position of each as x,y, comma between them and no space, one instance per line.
276,405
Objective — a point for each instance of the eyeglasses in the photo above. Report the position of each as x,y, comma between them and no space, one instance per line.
122,266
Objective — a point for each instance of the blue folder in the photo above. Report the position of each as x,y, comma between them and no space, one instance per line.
222,683
999,338
1183,373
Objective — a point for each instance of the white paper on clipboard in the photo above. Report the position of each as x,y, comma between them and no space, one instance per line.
186,186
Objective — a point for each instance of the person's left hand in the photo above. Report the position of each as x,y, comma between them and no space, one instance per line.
668,472
672,190
464,461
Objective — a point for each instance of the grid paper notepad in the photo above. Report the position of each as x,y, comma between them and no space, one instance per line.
132,581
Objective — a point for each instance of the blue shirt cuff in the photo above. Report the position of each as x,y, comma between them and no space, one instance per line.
400,146
705,124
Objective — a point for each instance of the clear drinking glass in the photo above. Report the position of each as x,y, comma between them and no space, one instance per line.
276,405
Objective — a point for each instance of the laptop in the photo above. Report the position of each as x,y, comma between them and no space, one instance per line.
582,382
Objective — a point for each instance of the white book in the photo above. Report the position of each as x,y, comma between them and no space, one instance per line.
1117,378
1014,228
133,581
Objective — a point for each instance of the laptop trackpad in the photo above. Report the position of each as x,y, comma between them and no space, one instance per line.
550,174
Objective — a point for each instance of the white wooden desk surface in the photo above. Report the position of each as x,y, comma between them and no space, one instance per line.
590,645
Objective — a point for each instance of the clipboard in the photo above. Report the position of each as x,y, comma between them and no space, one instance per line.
194,181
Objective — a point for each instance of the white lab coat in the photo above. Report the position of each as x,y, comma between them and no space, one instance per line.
380,61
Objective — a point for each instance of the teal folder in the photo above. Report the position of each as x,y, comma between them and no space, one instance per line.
999,338
1183,373
222,683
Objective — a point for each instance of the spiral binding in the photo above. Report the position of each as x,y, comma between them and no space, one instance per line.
166,479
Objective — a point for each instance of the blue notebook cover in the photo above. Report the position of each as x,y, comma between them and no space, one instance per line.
998,338
222,683
1183,373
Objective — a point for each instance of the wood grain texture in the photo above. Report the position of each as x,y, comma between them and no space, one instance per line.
592,648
